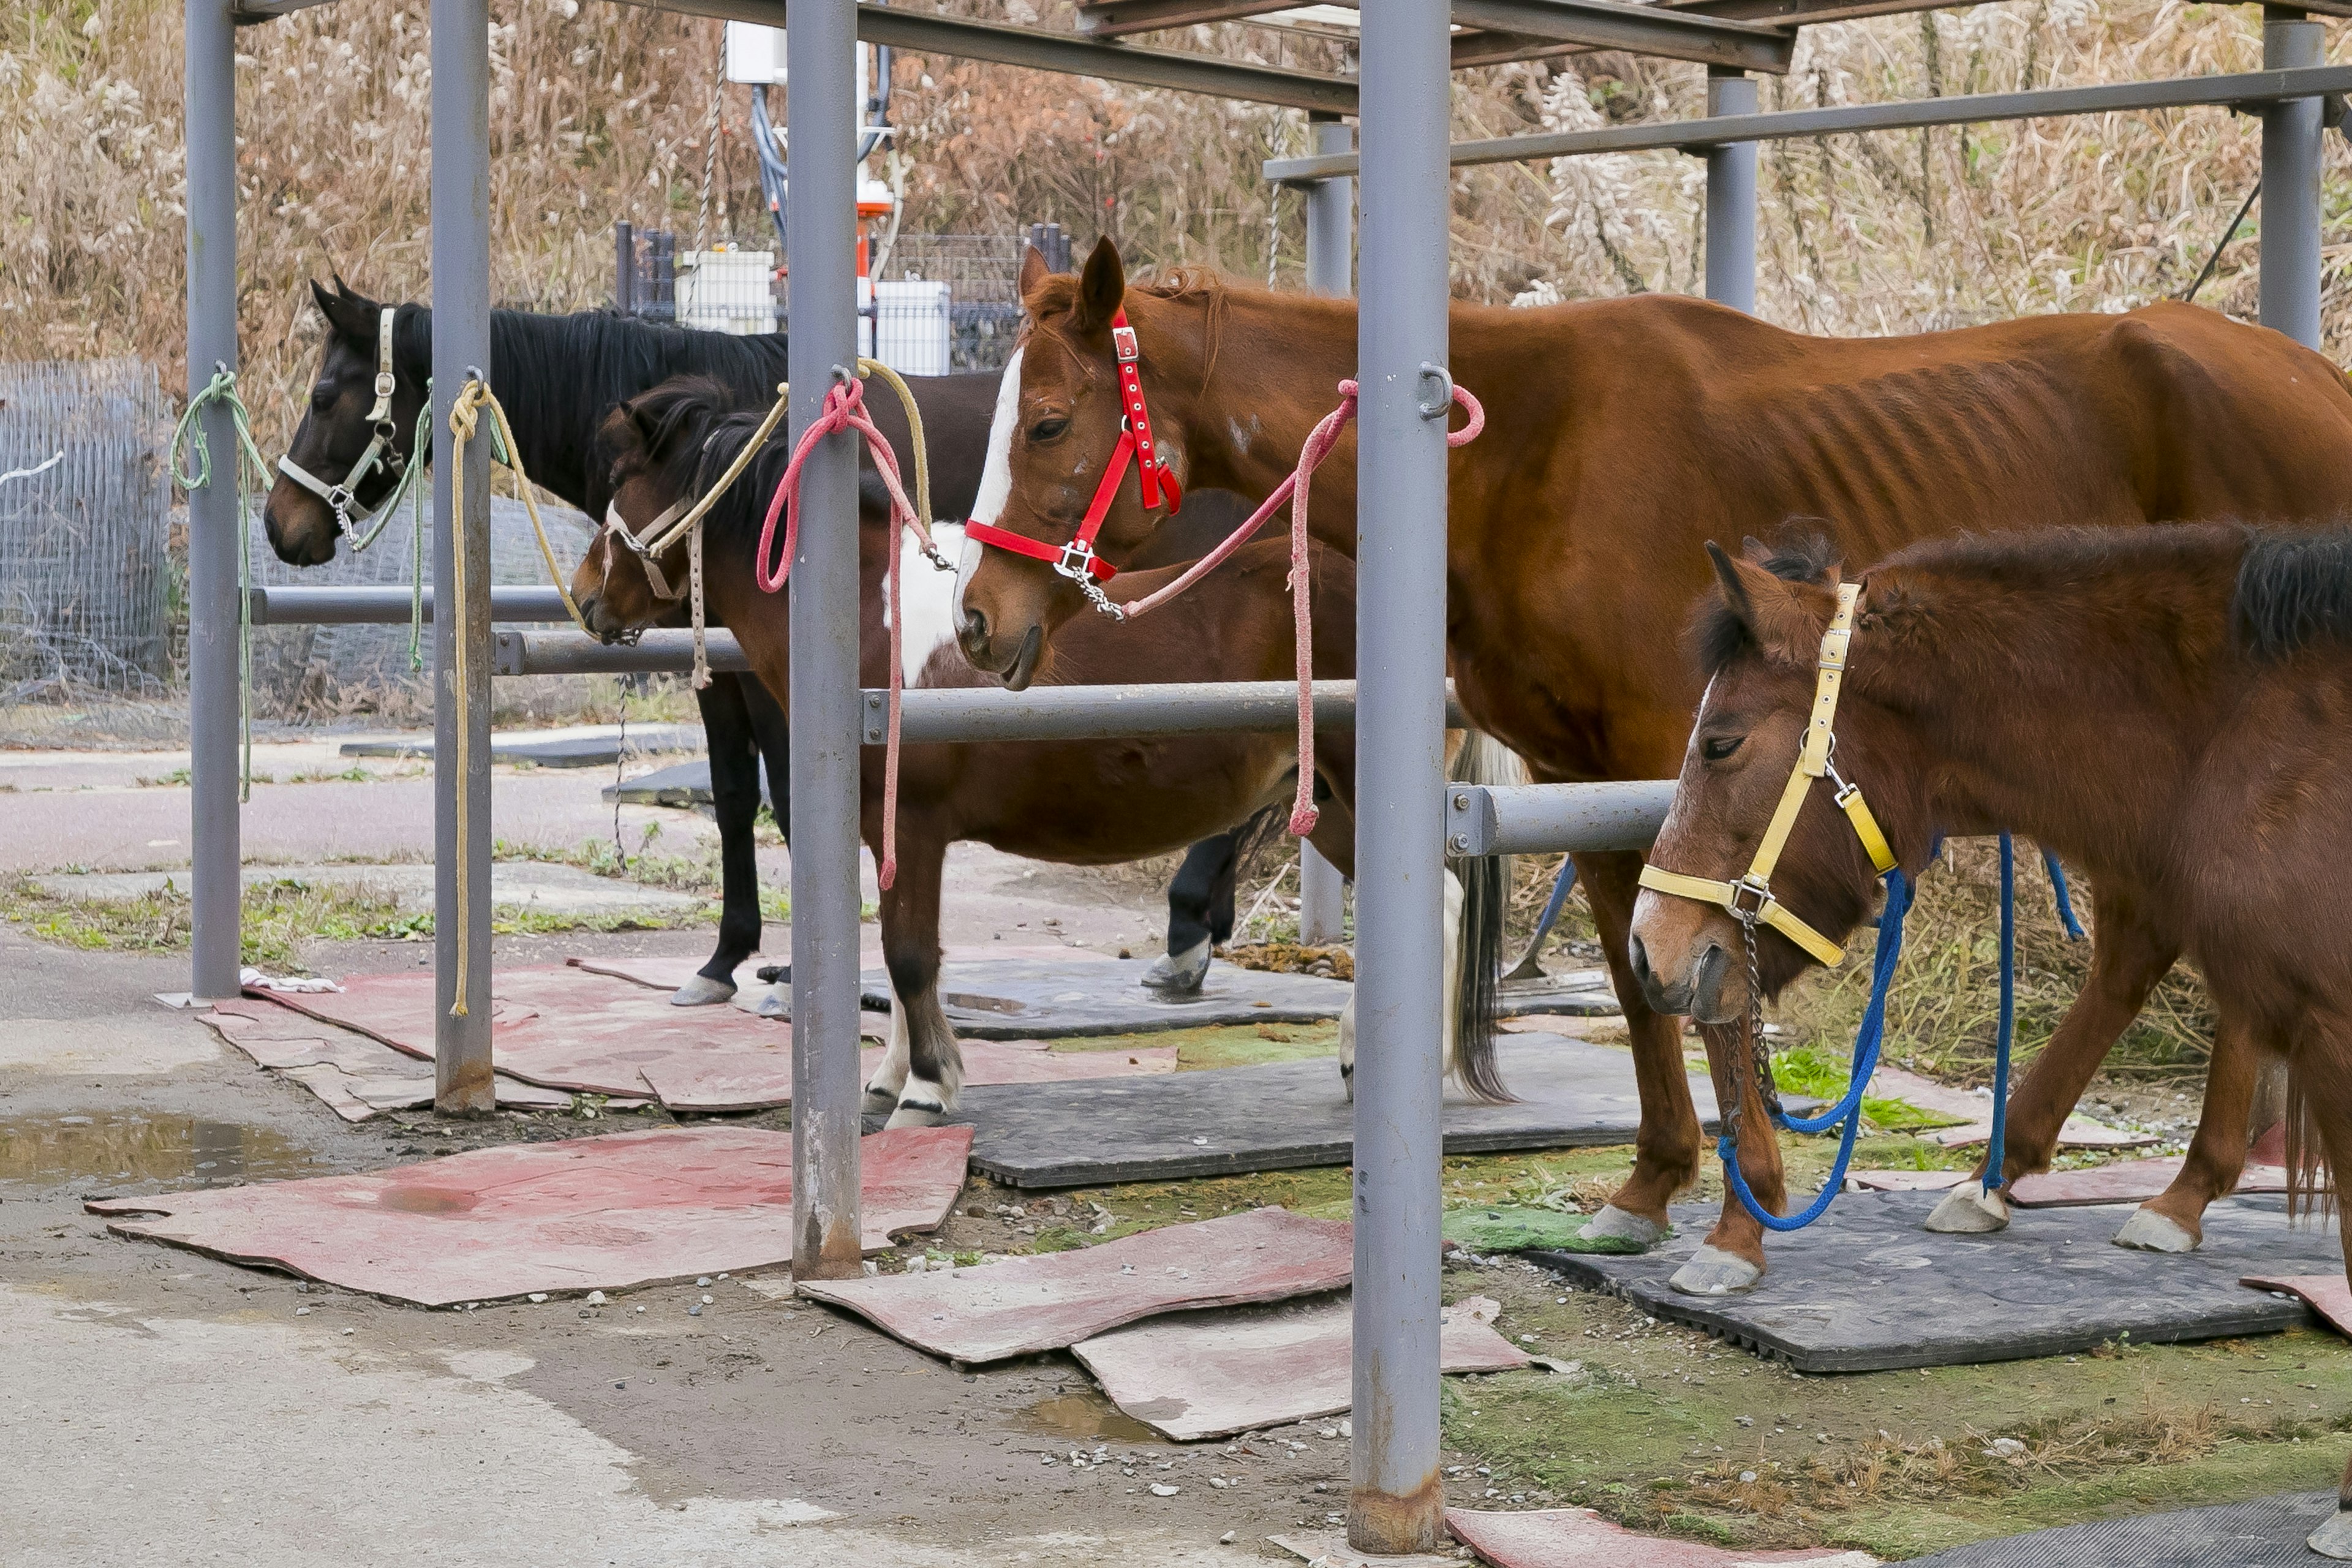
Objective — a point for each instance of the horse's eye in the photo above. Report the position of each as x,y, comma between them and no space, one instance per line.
323,398
1714,748
1051,428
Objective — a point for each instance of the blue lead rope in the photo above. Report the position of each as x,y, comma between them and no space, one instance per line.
1873,1035
2058,890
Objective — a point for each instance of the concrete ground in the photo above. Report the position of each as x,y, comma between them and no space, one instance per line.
166,1407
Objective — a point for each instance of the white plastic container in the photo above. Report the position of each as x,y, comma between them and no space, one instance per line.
913,325
727,290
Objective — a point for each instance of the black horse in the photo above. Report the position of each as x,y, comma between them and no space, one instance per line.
558,378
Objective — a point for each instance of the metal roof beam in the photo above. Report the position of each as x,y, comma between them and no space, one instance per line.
2244,89
1121,18
924,32
1643,29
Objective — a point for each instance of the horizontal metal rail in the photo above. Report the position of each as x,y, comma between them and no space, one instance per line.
569,653
927,33
965,713
347,606
1544,819
2244,90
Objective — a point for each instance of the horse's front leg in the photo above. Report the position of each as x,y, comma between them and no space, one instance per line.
1732,1258
1666,1144
931,1075
2127,958
735,802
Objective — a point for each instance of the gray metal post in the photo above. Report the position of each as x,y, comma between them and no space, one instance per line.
1397,1501
1731,196
212,522
1330,269
461,348
821,227
2291,132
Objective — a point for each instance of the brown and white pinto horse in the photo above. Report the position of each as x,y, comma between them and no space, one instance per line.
1074,802
2171,709
1620,435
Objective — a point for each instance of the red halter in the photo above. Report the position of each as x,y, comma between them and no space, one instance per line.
1077,559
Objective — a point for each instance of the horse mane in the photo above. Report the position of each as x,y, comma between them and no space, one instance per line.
1799,553
2293,591
1058,295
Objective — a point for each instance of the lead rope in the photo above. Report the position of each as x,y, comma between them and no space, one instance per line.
465,420
247,463
844,409
1295,489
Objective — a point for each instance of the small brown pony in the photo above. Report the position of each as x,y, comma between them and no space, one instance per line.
1074,802
1620,435
2171,709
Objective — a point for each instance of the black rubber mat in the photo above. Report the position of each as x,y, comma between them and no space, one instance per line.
687,785
561,752
1580,993
1864,1289
1044,998
1283,1116
2267,1533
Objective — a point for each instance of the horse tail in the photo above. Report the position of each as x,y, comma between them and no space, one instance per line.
1485,893
1257,833
2310,1179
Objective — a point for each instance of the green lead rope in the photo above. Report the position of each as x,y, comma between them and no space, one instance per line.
191,461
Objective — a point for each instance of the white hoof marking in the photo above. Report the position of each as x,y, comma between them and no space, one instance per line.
1713,1272
2334,1539
701,992
1613,1224
2148,1231
1969,1210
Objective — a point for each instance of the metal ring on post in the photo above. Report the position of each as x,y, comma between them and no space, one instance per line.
1442,405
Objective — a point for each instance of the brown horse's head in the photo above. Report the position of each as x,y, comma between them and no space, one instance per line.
335,431
1057,421
651,448
1758,638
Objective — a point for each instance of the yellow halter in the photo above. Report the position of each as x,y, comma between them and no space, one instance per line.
1813,760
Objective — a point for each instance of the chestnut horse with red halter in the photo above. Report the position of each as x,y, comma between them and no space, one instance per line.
1074,802
1620,435
2171,709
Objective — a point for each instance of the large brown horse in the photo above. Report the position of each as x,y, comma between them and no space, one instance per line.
2172,709
1620,435
1074,802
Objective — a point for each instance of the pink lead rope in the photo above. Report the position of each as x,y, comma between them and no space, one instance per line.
844,409
1294,488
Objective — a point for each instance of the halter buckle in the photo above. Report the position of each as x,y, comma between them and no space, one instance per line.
1122,342
1753,886
1076,561
384,383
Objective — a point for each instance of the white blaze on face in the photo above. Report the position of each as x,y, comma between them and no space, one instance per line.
996,472
928,596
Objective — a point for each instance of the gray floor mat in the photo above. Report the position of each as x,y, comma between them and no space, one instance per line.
2266,1533
562,752
1582,992
1863,1288
685,786
1044,998
1284,1116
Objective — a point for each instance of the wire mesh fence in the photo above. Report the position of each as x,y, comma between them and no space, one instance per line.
86,582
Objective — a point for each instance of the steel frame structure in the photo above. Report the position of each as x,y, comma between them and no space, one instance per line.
1407,52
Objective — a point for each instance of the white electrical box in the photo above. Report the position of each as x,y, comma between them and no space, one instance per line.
755,54
727,290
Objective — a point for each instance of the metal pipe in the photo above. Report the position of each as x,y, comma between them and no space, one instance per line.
213,524
2242,90
823,125
2291,133
569,653
1330,269
352,606
1396,1502
461,348
1545,819
1731,197
967,713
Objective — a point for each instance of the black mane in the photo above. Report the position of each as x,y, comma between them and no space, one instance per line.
2295,590
695,426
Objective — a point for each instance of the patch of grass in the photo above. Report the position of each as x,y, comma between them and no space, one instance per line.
356,773
1227,1046
177,777
1813,1070
280,918
695,873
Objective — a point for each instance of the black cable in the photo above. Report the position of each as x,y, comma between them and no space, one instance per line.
2222,243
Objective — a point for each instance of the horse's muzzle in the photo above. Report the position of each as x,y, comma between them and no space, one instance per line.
1698,994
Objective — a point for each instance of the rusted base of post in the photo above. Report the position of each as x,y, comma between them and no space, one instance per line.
828,1256
470,1089
1384,1524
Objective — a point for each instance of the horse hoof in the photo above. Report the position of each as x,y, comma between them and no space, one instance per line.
1715,1272
1347,1081
2334,1539
1969,1210
701,992
776,1004
2148,1231
1179,974
1616,1225
878,1102
908,1115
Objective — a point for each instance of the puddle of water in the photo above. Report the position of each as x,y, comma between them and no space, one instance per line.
128,1147
1083,1415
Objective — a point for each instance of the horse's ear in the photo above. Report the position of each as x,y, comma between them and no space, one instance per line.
1035,269
350,312
1102,287
1784,619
